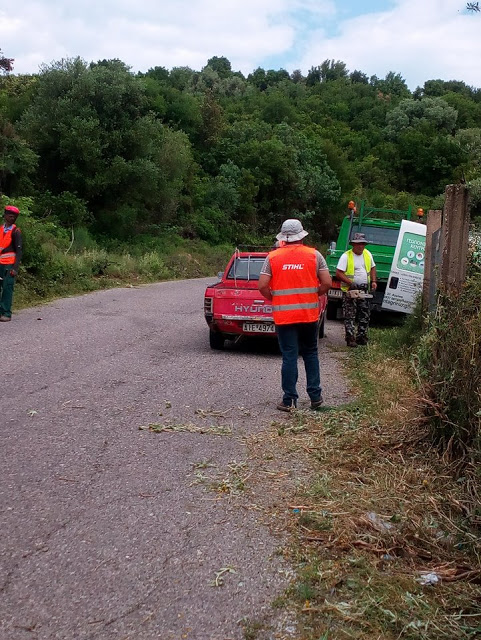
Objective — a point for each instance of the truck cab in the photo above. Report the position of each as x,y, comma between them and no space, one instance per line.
381,227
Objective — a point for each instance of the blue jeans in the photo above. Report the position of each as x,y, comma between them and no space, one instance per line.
299,340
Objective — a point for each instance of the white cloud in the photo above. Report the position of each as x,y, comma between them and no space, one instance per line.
421,39
148,33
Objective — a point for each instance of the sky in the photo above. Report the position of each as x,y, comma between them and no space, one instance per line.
420,39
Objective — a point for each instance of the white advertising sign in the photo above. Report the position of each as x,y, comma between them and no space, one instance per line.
407,271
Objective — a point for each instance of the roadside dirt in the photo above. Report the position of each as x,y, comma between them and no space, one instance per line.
114,529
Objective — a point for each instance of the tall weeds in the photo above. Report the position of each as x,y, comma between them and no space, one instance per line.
448,362
57,262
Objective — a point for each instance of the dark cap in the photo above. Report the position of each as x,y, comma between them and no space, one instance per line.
359,238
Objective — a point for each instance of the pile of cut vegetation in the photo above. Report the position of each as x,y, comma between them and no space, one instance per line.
385,534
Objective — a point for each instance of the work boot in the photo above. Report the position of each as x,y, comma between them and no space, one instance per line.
317,404
351,341
5,319
286,406
361,340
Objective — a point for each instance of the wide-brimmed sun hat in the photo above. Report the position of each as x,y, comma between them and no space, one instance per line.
291,231
359,238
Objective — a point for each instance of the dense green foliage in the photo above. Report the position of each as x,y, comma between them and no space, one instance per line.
220,157
58,262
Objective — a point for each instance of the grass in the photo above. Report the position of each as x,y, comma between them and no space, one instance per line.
188,427
251,628
92,268
229,481
383,537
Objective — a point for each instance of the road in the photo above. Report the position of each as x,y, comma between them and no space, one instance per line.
107,530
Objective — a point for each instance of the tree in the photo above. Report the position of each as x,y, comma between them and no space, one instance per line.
17,161
438,88
16,93
359,76
181,77
393,85
258,79
469,140
96,140
161,74
207,80
212,119
427,164
332,70
297,77
469,111
430,114
183,112
221,66
278,108
313,76
6,64
274,77
263,79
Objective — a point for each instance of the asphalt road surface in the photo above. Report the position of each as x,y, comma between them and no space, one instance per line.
106,530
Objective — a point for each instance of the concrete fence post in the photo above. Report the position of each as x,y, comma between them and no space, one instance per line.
431,257
455,237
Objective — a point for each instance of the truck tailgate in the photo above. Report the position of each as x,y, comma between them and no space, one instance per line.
241,304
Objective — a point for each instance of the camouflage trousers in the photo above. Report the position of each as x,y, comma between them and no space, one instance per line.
356,312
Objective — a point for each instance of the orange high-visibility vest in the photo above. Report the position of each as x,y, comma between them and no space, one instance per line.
6,240
294,284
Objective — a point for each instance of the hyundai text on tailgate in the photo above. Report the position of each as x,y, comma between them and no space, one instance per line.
234,307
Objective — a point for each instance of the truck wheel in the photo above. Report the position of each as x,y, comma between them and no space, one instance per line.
322,326
331,310
216,340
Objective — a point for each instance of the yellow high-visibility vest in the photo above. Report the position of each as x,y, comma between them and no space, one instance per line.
350,267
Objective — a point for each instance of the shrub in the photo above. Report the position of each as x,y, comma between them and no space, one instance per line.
211,225
82,241
151,264
67,208
448,362
121,265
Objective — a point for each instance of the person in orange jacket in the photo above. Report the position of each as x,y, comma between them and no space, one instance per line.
292,277
10,256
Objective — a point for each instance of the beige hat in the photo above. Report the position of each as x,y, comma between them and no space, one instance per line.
291,231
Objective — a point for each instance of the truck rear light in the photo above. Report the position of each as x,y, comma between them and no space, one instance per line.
207,305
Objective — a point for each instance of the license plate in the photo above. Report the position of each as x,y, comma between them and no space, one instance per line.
334,293
258,327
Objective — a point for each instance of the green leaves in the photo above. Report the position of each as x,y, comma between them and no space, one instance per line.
428,114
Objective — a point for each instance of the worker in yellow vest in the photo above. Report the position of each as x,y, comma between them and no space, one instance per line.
293,277
356,270
10,256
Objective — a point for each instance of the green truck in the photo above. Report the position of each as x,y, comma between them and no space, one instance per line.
381,228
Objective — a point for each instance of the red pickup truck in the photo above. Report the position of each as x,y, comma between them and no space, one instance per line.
234,307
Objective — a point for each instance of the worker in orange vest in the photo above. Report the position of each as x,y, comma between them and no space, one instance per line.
10,256
292,277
